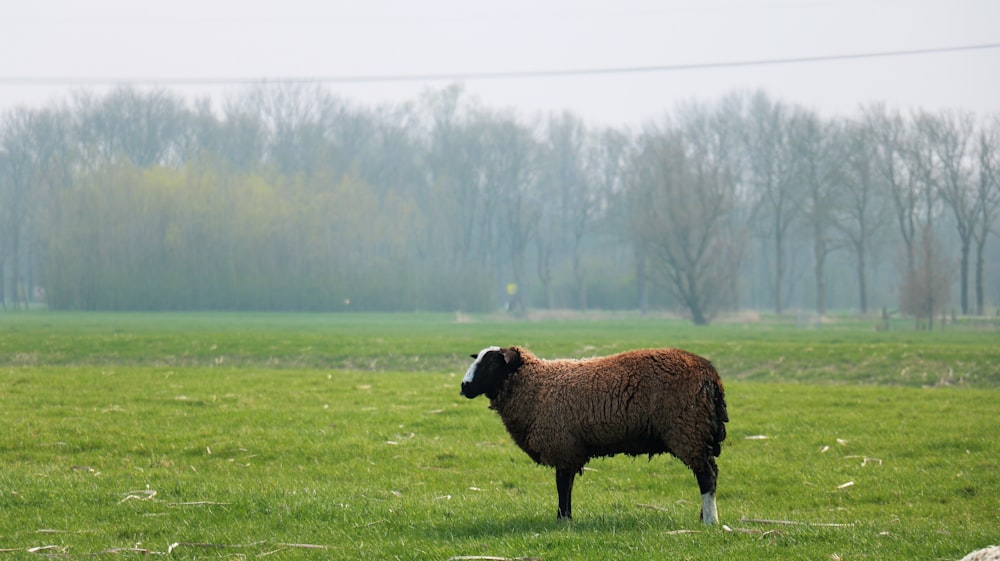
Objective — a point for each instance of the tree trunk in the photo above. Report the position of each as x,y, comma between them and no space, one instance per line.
820,273
964,275
980,266
929,282
642,283
581,284
862,280
580,277
545,274
697,316
15,275
779,266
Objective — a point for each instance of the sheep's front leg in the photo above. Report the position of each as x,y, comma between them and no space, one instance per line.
564,485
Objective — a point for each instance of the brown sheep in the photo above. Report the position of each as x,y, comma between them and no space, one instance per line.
643,402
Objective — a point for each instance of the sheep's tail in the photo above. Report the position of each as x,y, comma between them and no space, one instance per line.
719,415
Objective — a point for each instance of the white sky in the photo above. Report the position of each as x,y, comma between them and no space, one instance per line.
58,42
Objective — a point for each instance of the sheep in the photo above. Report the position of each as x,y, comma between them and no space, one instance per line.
564,412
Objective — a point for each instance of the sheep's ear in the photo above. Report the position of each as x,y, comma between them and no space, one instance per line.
511,356
473,355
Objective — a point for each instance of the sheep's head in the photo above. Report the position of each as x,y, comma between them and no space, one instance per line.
489,371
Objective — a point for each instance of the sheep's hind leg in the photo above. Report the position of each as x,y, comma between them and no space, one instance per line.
564,485
707,477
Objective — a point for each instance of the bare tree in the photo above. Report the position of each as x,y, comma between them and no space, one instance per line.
683,198
566,201
511,198
987,201
887,138
952,137
604,165
773,175
822,156
238,138
34,163
925,168
295,123
144,128
862,212
909,170
455,161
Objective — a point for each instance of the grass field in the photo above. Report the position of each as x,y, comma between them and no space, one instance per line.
344,437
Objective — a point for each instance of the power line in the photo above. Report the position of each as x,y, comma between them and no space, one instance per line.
462,76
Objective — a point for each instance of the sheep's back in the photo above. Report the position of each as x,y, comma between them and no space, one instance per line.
656,374
626,403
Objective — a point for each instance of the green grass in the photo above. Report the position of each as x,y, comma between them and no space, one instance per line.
127,433
841,351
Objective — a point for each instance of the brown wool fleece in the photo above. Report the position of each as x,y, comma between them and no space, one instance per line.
564,412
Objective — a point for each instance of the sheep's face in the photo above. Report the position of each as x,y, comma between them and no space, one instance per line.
488,371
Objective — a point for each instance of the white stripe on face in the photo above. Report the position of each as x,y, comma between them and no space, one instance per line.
472,369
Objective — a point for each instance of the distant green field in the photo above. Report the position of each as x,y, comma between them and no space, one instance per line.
839,351
343,436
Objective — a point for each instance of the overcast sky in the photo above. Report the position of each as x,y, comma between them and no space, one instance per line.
52,47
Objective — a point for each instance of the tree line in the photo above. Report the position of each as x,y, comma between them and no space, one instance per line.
286,197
